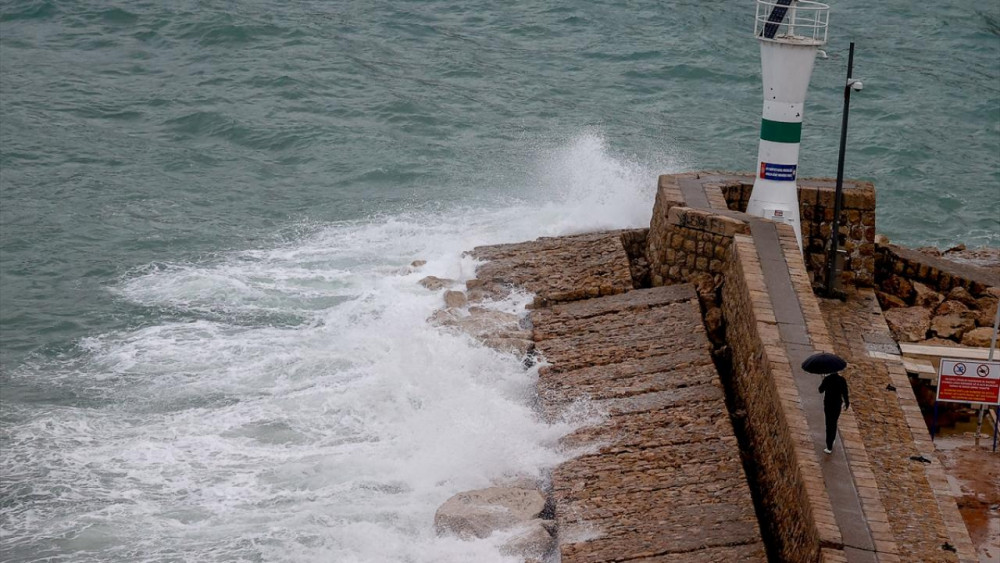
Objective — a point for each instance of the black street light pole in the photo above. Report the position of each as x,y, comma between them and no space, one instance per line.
839,195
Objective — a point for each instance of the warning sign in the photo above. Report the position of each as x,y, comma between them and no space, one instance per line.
782,172
969,381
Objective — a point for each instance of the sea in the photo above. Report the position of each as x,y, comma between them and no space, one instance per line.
213,345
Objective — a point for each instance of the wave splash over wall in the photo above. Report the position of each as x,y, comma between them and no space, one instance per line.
292,403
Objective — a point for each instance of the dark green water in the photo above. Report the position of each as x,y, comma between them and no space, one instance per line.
204,205
139,133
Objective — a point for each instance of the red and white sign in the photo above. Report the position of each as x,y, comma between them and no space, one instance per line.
969,381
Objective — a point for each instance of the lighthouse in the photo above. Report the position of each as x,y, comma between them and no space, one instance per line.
790,33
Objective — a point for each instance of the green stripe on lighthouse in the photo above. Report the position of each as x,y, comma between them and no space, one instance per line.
780,131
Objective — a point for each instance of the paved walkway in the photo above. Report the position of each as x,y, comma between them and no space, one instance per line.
920,507
889,505
799,343
859,544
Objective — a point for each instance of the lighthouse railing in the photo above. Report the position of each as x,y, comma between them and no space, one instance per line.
792,21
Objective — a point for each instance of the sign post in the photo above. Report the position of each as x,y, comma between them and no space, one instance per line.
968,381
996,419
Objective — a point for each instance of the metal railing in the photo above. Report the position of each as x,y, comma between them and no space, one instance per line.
796,21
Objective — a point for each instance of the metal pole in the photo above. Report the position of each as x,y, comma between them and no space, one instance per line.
979,423
993,347
838,196
996,327
996,424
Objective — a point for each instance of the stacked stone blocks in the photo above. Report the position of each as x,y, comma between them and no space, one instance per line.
939,274
556,269
792,491
816,208
684,241
660,475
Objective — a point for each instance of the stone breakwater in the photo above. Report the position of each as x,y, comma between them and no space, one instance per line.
660,475
663,476
699,373
932,300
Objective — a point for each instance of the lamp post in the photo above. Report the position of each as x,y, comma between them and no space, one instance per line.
852,84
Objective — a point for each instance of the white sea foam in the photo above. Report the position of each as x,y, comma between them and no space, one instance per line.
293,404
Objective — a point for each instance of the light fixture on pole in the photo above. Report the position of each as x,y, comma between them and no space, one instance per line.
831,260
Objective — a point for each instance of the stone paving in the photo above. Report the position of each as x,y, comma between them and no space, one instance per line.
920,508
887,506
792,306
662,478
556,269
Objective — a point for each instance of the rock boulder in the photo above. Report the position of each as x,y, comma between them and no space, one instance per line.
925,296
480,322
479,513
455,299
987,312
978,337
951,308
963,296
909,324
898,286
434,283
888,301
534,540
952,326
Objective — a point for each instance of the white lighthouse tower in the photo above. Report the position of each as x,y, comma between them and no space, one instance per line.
790,33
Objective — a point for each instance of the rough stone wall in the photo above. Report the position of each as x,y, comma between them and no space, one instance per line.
939,274
782,490
634,241
683,242
927,296
816,207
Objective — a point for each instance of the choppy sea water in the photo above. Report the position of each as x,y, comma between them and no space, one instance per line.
212,347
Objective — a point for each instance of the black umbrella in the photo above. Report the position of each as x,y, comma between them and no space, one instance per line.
823,363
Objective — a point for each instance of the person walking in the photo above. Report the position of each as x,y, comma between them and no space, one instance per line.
834,389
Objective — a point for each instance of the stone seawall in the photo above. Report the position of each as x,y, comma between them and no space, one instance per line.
816,208
658,475
930,297
661,476
789,481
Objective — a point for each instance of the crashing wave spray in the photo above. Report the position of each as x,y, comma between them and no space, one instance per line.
292,403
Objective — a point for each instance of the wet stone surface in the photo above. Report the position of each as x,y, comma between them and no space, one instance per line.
661,479
915,516
556,269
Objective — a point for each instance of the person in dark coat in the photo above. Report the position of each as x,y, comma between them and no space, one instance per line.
834,387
